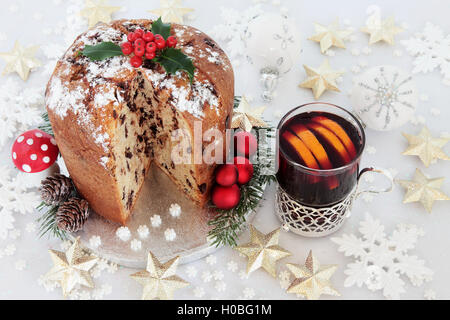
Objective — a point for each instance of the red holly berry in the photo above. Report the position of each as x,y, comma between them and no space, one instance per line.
127,48
226,175
131,37
246,143
136,61
139,33
226,198
139,42
245,170
139,51
148,37
150,55
171,42
160,42
150,47
34,151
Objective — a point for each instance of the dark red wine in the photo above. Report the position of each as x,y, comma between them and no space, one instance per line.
316,149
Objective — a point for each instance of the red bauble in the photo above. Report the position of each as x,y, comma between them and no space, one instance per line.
246,143
245,170
34,151
226,198
226,175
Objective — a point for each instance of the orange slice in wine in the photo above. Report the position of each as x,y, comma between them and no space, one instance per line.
313,145
301,149
339,132
317,150
332,139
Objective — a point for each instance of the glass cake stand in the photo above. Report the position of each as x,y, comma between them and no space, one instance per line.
156,197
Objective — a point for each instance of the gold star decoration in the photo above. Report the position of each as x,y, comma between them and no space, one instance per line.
20,60
329,36
171,11
71,268
159,280
98,11
423,190
263,251
426,147
312,280
245,118
321,79
382,31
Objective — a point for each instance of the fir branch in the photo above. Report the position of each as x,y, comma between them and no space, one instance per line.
46,125
47,222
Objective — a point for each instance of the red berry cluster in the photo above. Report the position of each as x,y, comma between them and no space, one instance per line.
145,45
226,194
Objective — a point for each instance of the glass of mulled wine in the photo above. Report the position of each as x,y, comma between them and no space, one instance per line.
320,147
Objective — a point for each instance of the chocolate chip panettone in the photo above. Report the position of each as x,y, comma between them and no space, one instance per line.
111,120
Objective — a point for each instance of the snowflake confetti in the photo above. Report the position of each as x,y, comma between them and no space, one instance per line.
207,276
220,286
136,245
20,265
123,233
175,210
170,235
380,261
199,292
191,271
156,221
218,275
143,232
211,260
430,294
431,49
232,266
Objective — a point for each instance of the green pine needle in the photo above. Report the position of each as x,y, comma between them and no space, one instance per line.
47,222
46,125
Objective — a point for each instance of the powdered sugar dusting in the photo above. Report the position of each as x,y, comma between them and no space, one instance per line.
191,98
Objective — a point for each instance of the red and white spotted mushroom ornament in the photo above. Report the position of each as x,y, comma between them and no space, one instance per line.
34,151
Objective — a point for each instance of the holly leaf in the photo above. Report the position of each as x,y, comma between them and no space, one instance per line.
173,60
102,51
159,27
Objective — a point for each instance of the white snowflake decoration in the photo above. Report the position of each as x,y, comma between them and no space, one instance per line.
234,29
20,109
431,49
15,197
382,260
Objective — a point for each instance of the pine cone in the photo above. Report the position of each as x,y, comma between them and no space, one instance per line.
72,215
56,189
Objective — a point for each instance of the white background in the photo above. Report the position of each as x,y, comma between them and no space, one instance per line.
433,247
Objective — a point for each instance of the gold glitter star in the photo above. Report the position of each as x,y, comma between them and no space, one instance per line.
329,36
71,268
382,31
159,280
424,190
263,251
311,279
426,147
98,11
246,118
171,11
321,79
20,60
